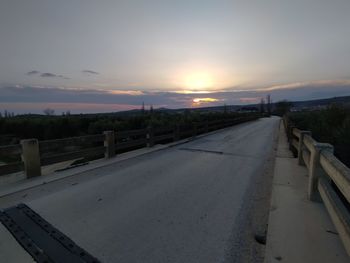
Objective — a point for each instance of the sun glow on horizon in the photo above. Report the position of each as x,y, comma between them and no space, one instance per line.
199,80
203,78
195,91
205,100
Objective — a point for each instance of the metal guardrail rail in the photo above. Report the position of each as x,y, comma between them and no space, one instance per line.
329,178
32,154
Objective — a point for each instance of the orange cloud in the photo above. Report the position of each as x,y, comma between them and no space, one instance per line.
126,92
250,100
197,101
337,82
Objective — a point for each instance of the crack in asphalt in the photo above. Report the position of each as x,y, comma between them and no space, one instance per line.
219,152
200,150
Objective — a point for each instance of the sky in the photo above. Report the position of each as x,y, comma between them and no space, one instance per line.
102,56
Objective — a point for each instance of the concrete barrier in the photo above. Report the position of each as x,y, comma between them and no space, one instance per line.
150,136
31,157
301,146
109,144
315,169
329,178
35,154
337,211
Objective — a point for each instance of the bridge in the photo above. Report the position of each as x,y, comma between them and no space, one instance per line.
193,195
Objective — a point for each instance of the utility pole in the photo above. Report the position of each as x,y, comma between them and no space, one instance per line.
143,108
268,98
262,105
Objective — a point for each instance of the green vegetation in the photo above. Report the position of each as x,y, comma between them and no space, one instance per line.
282,107
331,125
46,127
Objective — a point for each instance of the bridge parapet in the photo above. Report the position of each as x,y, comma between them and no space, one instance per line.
329,178
30,155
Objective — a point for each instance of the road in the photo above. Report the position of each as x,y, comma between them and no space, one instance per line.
193,202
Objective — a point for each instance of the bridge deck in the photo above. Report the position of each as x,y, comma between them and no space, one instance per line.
189,203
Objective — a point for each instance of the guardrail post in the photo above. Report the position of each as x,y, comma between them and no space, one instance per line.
286,123
150,136
177,132
31,157
301,147
109,143
316,170
290,137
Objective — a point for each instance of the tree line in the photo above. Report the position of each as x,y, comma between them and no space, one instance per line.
331,125
46,127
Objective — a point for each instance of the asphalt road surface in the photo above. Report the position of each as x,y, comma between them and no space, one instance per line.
194,202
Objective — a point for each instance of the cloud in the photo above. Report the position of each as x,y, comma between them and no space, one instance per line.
33,72
317,83
52,75
127,99
57,94
128,92
63,77
48,75
204,100
90,72
45,74
250,100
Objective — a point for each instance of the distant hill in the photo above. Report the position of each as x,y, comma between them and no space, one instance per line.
345,101
319,103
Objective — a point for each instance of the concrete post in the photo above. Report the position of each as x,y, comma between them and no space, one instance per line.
150,136
31,157
316,171
109,143
290,137
284,121
301,147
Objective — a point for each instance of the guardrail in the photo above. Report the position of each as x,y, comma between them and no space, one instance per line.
30,155
329,178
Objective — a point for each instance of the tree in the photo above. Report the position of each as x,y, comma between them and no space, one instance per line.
282,107
225,108
143,108
268,99
49,111
262,105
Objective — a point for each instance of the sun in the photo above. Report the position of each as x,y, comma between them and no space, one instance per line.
199,80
